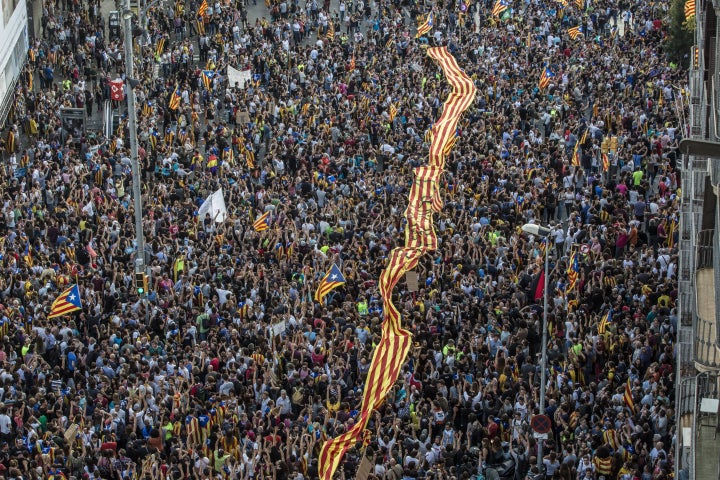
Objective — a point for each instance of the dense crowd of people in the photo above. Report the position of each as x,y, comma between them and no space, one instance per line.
228,368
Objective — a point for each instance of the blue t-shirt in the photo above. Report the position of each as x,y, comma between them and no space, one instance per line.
71,361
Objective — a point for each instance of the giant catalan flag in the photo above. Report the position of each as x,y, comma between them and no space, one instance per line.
420,238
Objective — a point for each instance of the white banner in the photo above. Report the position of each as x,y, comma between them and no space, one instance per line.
238,77
278,328
215,206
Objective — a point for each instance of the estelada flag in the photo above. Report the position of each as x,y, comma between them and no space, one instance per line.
262,223
67,302
332,279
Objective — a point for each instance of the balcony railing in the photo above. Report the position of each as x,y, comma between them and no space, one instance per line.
704,249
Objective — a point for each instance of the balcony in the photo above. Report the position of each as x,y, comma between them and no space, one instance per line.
707,354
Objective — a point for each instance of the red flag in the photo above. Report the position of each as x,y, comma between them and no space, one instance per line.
540,289
116,91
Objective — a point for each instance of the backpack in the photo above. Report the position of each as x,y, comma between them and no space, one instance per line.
297,396
198,391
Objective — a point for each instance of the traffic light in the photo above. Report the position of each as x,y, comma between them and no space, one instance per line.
141,283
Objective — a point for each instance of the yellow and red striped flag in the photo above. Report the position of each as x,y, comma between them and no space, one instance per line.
160,48
500,7
672,227
545,77
392,112
573,272
605,322
207,78
332,280
250,158
67,302
605,162
628,397
175,100
202,9
262,223
575,32
425,27
580,4
420,238
576,150
451,144
689,9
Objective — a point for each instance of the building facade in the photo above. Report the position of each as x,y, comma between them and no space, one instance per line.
697,448
14,45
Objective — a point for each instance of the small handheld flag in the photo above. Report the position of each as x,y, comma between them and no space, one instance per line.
203,8
393,112
500,7
605,322
175,100
628,397
425,27
332,279
67,302
572,272
160,47
575,32
545,77
262,223
207,78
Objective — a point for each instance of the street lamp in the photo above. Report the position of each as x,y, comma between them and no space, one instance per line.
132,126
544,232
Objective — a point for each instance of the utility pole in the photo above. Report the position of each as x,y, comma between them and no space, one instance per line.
132,126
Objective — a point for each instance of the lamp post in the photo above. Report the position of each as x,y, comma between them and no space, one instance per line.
132,126
543,232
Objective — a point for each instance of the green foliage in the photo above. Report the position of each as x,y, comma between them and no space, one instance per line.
681,36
